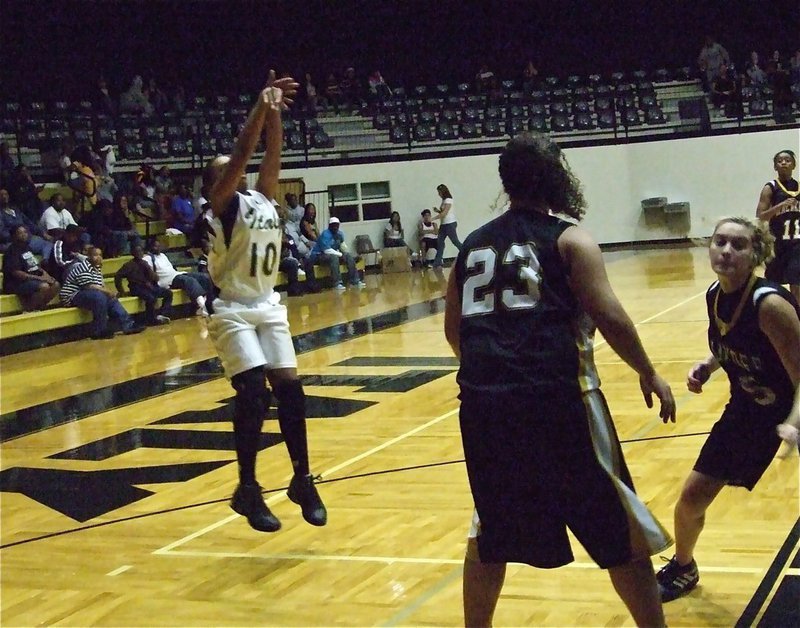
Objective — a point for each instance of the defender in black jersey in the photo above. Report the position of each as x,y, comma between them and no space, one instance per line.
754,336
779,204
541,450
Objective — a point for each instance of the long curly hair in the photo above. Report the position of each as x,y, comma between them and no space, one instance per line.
761,239
535,173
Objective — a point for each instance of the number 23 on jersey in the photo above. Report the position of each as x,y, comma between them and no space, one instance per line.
521,289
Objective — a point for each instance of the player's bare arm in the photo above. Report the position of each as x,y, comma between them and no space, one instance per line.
590,285
777,318
452,315
227,183
700,374
278,98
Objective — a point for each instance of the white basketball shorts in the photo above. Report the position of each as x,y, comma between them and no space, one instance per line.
248,335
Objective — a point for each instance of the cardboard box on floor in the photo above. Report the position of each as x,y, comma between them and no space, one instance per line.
395,260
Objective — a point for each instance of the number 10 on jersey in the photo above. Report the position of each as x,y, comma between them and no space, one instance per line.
270,257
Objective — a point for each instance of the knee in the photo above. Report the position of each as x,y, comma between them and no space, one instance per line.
252,395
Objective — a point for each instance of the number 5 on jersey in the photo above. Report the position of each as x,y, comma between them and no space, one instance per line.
522,292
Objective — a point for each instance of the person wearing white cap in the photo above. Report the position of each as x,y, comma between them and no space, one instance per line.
331,249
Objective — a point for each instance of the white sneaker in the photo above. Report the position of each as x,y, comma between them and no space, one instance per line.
162,320
201,306
360,284
301,272
339,286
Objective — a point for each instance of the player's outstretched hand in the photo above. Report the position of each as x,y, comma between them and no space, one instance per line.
279,92
698,375
655,384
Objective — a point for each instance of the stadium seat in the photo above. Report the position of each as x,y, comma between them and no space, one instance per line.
399,92
606,119
758,107
470,130
558,107
198,103
662,75
582,93
654,115
401,119
381,121
129,135
420,91
174,132
426,117
442,89
104,136
537,96
584,122
287,124
470,114
463,88
224,145
398,134
684,74
320,139
537,122
424,132
507,85
432,104
733,109
559,123
493,113
515,126
551,81
454,102
537,109
646,101
131,150
11,108
82,136
297,140
157,149
492,128
630,117
448,115
152,133
573,80
60,108
516,111
179,148
639,75
8,125
617,77
446,131
580,106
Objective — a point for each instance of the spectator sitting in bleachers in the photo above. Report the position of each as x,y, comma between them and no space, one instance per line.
134,100
7,165
331,250
333,93
197,285
782,97
111,229
25,193
313,99
143,283
144,192
794,66
722,88
308,224
164,188
179,99
530,77
350,88
755,73
182,212
483,79
296,255
156,96
66,250
393,232
294,209
84,288
56,218
10,219
104,104
65,159
378,88
24,276
428,234
107,188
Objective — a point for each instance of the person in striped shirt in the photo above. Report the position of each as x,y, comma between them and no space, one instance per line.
84,288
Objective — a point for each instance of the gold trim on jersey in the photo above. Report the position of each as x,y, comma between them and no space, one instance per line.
791,193
725,328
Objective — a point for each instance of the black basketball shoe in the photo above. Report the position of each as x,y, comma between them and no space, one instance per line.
248,502
675,580
303,492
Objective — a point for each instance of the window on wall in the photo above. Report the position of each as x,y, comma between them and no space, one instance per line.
354,202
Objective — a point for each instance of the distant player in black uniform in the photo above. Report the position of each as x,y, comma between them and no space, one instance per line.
754,335
542,453
779,204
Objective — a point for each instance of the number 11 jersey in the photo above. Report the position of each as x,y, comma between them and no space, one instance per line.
245,248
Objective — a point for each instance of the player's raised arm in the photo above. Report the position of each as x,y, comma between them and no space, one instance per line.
279,98
230,170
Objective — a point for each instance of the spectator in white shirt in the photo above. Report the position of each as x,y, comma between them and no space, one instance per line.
57,217
197,285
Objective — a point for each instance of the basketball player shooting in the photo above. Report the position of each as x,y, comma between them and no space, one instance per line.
249,326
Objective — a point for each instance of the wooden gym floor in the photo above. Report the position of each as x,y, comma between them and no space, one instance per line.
118,463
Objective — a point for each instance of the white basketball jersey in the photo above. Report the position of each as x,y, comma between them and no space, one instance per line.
245,248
